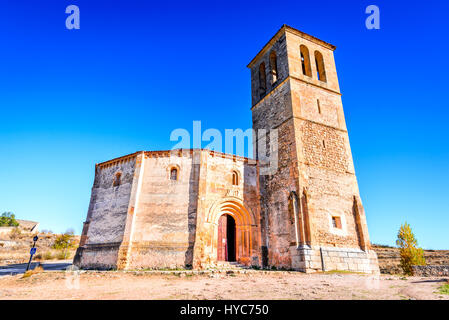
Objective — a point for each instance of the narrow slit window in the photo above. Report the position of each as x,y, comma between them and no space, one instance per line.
235,178
319,106
273,67
262,80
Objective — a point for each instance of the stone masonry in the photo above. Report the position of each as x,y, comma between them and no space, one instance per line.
165,209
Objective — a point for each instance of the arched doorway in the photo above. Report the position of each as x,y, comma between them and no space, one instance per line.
226,238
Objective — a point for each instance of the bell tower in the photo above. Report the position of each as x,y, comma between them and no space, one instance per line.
312,215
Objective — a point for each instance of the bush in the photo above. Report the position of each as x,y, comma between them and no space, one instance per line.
15,233
444,289
36,270
48,255
8,219
64,241
410,254
62,255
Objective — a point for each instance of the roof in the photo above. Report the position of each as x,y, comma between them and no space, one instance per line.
177,151
282,30
26,224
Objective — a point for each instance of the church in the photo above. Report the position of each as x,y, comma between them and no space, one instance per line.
198,208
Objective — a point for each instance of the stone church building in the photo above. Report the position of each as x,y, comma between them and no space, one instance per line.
199,208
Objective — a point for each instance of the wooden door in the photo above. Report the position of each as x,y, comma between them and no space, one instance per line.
222,253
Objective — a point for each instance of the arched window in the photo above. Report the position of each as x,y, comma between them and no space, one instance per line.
235,178
305,61
262,80
320,70
174,174
273,67
117,179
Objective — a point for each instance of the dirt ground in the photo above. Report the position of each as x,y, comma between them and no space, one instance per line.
256,285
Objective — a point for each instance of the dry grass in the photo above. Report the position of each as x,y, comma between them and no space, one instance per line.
29,273
17,249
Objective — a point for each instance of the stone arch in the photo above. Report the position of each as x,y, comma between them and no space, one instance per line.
172,167
305,61
320,68
245,225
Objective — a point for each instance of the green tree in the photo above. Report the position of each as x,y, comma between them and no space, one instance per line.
8,219
65,240
410,254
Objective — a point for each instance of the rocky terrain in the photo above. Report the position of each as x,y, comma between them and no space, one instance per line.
389,258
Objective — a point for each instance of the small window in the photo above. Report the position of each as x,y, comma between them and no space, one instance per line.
273,67
321,71
117,179
336,222
324,144
235,178
262,80
174,174
319,106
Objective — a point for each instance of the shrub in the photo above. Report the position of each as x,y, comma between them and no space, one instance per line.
410,254
64,241
61,255
15,233
36,270
48,255
444,289
8,219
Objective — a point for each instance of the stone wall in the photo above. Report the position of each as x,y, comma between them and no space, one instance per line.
107,214
275,112
164,225
431,271
316,258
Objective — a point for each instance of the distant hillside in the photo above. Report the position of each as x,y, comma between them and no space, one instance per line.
15,247
389,258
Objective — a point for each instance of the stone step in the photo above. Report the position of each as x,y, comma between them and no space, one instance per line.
226,265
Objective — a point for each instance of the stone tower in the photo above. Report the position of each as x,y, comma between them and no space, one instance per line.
312,217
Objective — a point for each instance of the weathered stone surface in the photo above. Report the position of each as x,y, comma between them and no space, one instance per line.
431,271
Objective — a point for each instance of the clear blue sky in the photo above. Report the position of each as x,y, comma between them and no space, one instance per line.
136,70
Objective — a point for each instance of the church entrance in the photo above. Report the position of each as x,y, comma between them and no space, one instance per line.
226,238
